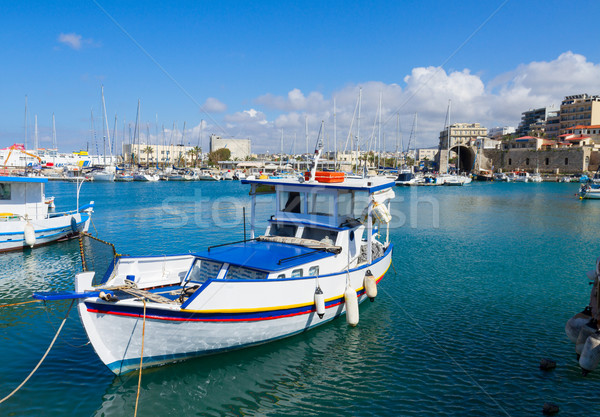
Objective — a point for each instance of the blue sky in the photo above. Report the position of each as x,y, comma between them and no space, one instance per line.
267,65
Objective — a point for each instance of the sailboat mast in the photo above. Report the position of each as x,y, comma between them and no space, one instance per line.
26,122
35,142
379,132
358,126
54,145
306,137
281,155
105,125
449,137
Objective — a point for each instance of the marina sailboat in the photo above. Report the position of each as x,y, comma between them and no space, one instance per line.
318,259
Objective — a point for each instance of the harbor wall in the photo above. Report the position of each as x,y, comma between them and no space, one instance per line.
555,161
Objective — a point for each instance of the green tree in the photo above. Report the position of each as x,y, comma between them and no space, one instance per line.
222,154
195,153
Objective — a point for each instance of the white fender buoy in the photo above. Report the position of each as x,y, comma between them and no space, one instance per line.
320,302
574,325
381,213
590,355
29,233
370,285
586,331
351,301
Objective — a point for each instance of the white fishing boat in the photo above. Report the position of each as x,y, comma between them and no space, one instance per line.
589,191
318,259
521,176
24,218
455,180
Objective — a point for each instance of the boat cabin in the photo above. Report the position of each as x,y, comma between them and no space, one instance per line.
22,197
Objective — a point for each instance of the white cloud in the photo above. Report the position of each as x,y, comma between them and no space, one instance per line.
426,91
76,41
213,105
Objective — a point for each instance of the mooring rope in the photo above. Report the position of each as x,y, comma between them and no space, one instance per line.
43,357
21,303
137,398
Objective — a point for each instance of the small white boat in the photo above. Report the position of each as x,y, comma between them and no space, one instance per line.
457,180
535,178
146,177
207,175
318,259
589,191
123,177
24,218
521,176
406,177
104,175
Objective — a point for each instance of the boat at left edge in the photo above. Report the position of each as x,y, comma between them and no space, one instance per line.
25,221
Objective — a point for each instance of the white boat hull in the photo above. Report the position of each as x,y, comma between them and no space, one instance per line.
173,334
46,230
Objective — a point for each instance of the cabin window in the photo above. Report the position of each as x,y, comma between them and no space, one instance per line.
313,271
321,204
297,273
239,272
281,276
345,204
285,230
291,201
322,235
4,191
203,270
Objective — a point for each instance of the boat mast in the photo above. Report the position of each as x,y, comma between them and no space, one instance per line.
105,126
54,145
379,132
281,155
136,132
358,126
448,141
35,142
306,137
334,137
26,122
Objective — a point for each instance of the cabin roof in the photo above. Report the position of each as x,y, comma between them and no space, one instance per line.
263,256
23,179
370,184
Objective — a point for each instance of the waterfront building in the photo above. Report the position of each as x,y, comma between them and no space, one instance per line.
499,132
427,154
239,148
161,154
463,134
580,109
533,121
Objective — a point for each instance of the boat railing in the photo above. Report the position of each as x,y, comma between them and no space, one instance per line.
289,258
230,243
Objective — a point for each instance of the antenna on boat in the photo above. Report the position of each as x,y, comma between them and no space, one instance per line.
318,152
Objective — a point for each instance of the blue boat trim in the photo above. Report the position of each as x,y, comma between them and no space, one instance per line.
23,179
51,229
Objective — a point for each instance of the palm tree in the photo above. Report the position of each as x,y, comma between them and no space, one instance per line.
148,150
195,152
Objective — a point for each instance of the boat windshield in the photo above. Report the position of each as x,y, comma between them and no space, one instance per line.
239,272
203,270
286,230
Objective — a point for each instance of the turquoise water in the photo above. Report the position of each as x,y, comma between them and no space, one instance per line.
485,278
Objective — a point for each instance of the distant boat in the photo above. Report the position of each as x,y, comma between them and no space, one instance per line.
25,220
589,191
